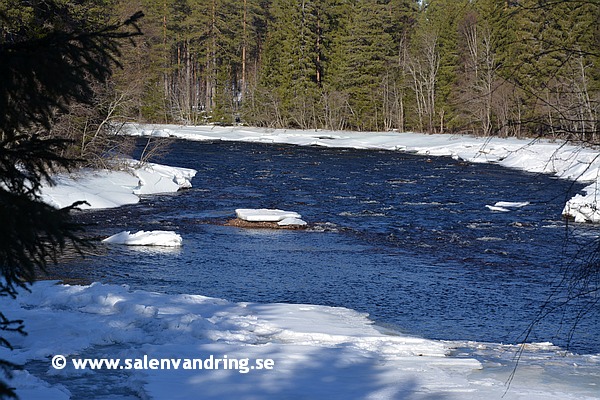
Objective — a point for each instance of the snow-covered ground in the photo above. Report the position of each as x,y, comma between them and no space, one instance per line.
297,351
281,351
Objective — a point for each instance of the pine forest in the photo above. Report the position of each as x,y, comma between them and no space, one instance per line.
526,68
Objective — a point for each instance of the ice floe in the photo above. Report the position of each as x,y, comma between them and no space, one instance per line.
146,238
265,215
506,206
291,221
511,204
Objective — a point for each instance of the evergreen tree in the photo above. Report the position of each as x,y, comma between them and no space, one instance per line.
553,67
480,66
366,58
364,51
240,25
569,103
438,45
31,94
203,53
291,64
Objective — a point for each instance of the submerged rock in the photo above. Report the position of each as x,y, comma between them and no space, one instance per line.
267,218
240,223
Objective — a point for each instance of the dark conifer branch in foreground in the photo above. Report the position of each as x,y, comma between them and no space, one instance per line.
51,60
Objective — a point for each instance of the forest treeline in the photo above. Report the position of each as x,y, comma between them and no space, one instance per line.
487,67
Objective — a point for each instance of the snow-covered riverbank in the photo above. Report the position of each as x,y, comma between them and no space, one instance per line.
280,351
115,188
537,156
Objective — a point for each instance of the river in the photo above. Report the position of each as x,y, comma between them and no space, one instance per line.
405,238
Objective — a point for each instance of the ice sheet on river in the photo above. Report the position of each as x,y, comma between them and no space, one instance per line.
318,351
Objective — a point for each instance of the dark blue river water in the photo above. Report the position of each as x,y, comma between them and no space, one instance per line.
404,238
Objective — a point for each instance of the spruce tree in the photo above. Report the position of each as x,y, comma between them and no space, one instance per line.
365,53
47,62
552,64
289,76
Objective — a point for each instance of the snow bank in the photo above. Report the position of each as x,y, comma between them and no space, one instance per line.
538,156
108,188
317,351
585,207
143,238
157,178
